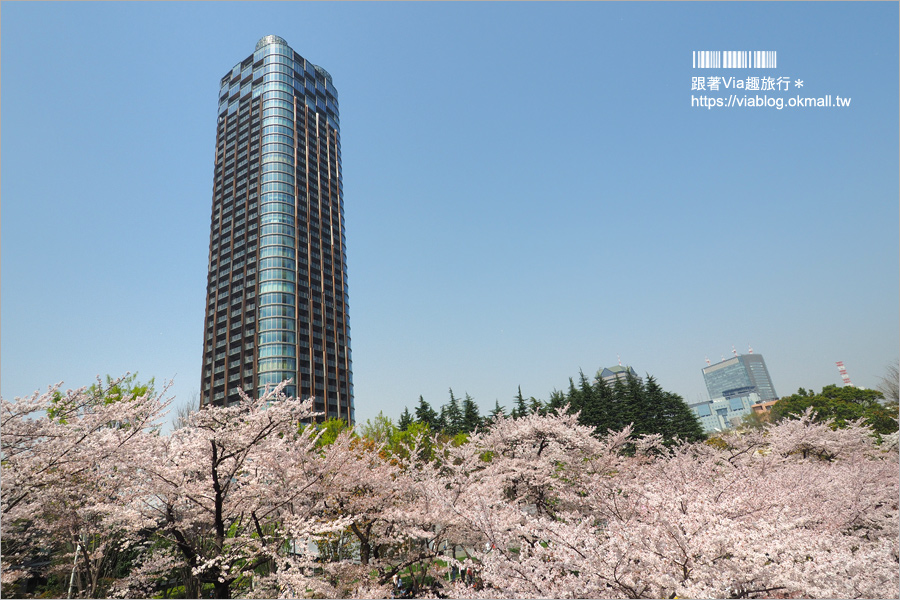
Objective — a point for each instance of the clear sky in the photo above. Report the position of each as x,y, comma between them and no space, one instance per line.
528,191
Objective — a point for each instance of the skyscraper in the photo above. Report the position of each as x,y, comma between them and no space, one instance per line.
276,301
739,376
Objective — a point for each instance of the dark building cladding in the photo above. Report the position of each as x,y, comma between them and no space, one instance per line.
276,301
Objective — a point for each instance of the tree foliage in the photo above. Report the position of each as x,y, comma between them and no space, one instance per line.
646,406
842,405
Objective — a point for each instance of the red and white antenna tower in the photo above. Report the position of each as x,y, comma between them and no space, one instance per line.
843,371
707,361
619,359
751,348
733,351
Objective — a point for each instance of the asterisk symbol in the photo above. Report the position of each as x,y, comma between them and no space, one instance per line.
798,83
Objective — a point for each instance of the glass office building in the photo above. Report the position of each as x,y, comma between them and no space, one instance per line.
724,413
276,305
739,376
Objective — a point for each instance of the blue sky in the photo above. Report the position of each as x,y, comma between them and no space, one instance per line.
528,191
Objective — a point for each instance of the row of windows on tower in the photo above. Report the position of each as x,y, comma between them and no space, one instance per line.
326,269
307,336
275,68
281,233
308,175
222,211
321,146
234,269
310,360
216,377
326,107
277,317
335,304
305,188
281,54
318,152
305,121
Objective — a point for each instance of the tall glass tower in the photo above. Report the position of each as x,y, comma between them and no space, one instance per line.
276,300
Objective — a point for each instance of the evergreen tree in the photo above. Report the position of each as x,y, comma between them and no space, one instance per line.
573,397
471,417
452,416
641,408
520,409
628,400
535,406
685,424
603,415
405,420
426,415
496,412
659,420
622,412
442,423
556,402
589,406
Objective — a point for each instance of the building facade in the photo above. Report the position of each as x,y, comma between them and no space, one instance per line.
723,413
276,305
739,376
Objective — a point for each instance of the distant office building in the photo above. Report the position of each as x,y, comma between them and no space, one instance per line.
740,376
723,413
611,374
276,301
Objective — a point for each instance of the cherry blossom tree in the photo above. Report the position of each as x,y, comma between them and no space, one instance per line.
66,484
799,510
244,500
234,489
374,487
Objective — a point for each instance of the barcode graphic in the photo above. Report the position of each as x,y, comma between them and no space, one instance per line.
735,59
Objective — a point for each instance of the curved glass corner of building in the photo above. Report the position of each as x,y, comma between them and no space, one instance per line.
277,328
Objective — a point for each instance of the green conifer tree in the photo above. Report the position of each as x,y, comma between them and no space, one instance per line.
603,407
683,423
588,404
641,408
557,401
426,415
497,411
573,397
452,416
622,407
520,409
471,417
405,420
